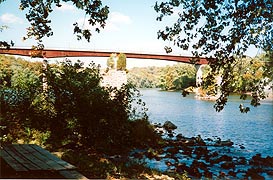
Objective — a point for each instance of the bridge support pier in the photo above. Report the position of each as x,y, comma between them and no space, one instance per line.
199,73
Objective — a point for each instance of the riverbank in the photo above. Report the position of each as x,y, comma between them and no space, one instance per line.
176,157
202,95
204,158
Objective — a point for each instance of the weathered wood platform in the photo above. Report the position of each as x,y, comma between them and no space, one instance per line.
33,158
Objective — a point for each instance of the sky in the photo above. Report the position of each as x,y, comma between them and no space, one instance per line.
131,27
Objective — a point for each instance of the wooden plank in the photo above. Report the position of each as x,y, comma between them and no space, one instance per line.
21,159
29,155
39,155
46,153
72,174
13,163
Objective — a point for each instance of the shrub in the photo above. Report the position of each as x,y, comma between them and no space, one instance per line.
74,111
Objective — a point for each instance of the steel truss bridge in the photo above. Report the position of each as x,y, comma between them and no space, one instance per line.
54,53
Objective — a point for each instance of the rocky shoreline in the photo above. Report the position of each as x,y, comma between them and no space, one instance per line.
203,158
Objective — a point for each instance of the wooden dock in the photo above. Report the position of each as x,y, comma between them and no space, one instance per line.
30,158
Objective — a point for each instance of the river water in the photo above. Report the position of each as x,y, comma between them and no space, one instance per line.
252,130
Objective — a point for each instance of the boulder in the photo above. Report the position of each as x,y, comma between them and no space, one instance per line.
179,137
181,168
169,126
224,143
228,165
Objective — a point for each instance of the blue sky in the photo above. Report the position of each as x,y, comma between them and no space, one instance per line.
131,26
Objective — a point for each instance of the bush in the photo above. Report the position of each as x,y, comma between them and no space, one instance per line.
74,111
143,134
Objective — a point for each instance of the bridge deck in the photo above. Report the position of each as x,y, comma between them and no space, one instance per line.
51,53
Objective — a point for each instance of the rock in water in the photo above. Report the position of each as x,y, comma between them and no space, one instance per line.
169,126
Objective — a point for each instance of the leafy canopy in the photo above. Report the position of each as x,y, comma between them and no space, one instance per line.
222,30
38,13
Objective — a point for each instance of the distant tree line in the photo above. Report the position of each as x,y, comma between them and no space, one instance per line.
246,73
174,77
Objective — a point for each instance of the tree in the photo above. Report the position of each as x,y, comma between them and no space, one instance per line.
20,84
38,13
167,78
144,77
186,76
177,77
4,43
121,62
75,110
222,31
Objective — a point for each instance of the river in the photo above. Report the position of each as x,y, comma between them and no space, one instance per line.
252,130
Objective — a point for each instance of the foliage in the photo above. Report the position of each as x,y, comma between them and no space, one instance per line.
143,134
4,44
167,78
38,15
176,77
75,111
222,31
208,87
144,77
121,62
247,73
19,86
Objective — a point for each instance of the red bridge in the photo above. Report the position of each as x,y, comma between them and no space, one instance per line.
51,53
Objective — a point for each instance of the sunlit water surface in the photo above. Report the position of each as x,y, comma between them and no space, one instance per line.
253,130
